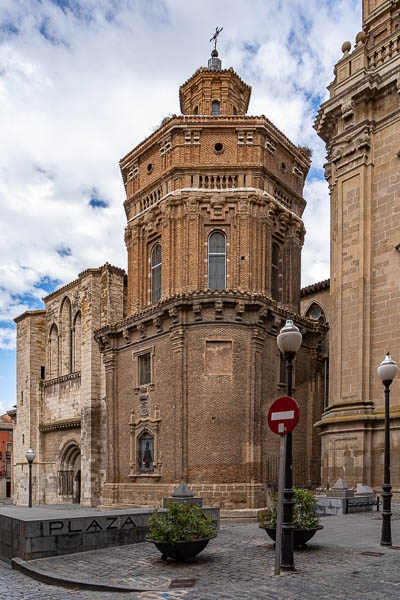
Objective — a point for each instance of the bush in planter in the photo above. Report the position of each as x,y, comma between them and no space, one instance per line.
181,523
304,516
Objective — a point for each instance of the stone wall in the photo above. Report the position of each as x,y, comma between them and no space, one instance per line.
360,124
61,389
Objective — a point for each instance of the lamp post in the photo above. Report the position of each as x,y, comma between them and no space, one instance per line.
289,341
387,372
30,457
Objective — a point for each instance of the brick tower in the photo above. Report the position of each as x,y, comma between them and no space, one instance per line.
360,124
214,236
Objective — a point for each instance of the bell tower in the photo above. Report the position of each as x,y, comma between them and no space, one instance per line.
360,126
214,204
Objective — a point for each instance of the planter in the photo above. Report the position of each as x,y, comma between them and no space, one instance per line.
182,551
300,536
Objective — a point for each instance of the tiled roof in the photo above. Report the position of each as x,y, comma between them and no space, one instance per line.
315,287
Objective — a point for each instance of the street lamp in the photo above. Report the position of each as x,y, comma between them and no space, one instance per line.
289,341
30,457
387,372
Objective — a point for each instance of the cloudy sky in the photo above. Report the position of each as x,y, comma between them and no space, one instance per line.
83,81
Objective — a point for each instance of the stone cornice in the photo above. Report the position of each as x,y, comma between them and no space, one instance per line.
82,275
72,423
61,379
29,313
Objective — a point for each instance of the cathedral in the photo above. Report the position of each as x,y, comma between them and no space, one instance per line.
186,363
360,124
128,383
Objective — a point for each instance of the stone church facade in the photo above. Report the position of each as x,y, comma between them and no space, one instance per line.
360,124
61,390
214,200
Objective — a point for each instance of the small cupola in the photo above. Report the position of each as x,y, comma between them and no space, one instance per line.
213,91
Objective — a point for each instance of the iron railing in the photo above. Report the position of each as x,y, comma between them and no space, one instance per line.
306,471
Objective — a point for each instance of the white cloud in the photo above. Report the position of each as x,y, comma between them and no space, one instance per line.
7,339
315,254
73,104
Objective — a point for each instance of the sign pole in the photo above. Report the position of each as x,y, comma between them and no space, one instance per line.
281,485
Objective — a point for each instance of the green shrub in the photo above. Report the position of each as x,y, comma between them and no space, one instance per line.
181,523
304,516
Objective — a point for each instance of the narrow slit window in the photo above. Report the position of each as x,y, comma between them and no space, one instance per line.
217,261
156,273
275,272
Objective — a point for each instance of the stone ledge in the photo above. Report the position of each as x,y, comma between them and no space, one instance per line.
61,379
58,425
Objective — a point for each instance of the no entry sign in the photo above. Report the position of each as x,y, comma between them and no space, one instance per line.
283,415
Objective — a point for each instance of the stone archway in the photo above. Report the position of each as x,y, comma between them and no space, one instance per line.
69,473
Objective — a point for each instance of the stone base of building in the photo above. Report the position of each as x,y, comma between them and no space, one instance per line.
352,446
226,496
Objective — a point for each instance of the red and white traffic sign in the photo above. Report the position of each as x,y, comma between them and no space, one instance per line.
283,415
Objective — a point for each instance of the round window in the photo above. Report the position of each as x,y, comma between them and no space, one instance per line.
316,313
149,168
218,147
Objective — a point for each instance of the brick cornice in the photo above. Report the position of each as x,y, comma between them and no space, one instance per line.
261,304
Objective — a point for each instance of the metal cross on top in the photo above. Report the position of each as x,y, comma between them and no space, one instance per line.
215,36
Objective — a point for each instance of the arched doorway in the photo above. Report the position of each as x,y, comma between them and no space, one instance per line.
69,474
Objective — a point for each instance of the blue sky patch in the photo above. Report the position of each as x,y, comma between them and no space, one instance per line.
96,201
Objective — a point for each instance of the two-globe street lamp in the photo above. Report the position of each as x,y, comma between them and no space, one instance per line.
30,457
289,341
387,372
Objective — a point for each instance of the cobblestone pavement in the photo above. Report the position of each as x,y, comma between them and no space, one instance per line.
344,560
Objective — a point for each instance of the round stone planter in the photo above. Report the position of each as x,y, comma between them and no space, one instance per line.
181,551
300,536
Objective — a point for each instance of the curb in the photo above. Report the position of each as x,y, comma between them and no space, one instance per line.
24,567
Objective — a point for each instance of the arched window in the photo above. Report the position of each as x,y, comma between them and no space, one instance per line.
217,261
146,451
156,273
215,108
275,271
66,337
53,352
76,343
196,110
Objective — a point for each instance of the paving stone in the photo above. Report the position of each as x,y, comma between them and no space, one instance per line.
237,565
